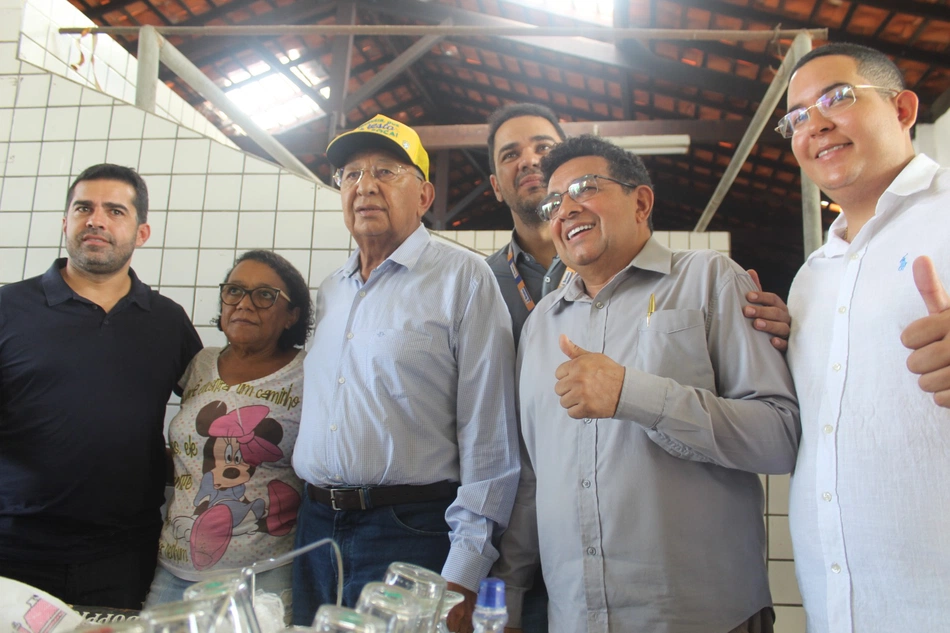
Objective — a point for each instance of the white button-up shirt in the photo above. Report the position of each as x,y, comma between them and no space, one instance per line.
870,495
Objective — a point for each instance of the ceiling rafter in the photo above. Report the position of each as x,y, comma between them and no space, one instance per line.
268,56
643,61
539,84
410,72
836,35
391,70
199,50
925,10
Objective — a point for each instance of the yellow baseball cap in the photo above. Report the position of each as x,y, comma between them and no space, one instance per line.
380,132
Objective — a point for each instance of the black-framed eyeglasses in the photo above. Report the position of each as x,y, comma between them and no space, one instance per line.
383,171
262,297
580,190
829,104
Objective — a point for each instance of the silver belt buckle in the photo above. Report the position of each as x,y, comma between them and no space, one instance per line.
333,497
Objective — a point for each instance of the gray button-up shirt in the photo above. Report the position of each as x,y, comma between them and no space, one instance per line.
652,520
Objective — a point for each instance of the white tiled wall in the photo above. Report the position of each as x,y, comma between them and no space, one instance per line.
108,67
208,200
487,242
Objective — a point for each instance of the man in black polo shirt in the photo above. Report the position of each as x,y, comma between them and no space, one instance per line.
89,356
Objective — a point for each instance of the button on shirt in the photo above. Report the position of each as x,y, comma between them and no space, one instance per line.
410,381
537,280
870,500
652,520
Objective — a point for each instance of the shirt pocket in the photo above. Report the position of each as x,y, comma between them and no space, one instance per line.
395,361
672,344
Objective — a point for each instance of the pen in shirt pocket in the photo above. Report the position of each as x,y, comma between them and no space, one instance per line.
651,308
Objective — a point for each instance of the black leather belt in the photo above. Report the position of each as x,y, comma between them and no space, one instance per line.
365,497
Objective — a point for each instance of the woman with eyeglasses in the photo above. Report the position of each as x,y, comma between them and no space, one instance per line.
235,493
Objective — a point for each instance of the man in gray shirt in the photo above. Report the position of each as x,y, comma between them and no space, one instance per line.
648,404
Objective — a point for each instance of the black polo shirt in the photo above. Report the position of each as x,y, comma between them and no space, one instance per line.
82,409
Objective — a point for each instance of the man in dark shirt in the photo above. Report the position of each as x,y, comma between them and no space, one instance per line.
89,356
519,136
526,269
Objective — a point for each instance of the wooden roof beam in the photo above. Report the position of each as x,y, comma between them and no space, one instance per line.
933,58
274,62
564,109
701,132
643,61
392,70
924,10
340,69
623,79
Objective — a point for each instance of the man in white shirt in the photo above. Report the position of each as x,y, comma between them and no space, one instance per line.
869,502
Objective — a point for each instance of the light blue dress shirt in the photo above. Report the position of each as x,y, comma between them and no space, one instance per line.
410,381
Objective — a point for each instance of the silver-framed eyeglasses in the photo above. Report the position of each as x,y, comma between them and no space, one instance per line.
383,171
580,190
836,100
262,297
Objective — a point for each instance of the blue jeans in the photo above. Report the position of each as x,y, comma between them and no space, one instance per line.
369,541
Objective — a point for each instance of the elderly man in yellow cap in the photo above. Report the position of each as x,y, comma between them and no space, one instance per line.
408,440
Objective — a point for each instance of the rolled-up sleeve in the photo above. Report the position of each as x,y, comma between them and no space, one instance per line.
487,435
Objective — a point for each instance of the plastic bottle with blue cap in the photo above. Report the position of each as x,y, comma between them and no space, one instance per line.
490,614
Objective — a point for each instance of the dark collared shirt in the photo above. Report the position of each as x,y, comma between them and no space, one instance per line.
82,409
538,281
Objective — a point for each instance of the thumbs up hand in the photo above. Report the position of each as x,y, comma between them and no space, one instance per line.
589,384
929,337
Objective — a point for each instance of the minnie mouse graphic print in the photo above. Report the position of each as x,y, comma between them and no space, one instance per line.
235,492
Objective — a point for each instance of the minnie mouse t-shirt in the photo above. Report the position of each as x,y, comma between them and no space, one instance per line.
235,492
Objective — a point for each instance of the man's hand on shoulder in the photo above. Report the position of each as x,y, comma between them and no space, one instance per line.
769,315
929,337
589,384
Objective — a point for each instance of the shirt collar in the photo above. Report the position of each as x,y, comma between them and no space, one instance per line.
519,254
516,250
58,291
653,257
916,176
406,254
836,244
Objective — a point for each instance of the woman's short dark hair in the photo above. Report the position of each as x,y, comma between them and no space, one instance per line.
296,335
622,165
